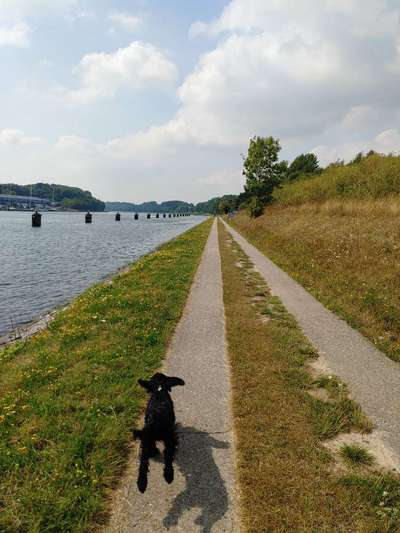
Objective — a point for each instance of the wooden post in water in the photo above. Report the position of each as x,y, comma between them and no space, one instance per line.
148,215
164,215
136,216
169,215
118,217
36,219
158,215
88,218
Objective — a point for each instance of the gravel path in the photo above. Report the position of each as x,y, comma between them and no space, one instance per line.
203,495
373,378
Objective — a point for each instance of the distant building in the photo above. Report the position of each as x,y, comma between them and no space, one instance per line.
23,202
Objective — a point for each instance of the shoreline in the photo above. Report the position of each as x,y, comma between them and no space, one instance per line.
25,331
40,323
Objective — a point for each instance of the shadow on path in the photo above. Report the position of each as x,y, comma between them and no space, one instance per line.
205,488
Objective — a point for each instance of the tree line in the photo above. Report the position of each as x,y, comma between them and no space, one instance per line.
174,206
264,173
68,197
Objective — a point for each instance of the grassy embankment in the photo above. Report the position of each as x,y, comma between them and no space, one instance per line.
338,235
288,480
69,396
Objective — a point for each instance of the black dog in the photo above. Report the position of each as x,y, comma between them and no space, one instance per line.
159,425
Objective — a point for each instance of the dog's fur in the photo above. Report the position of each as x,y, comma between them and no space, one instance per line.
159,425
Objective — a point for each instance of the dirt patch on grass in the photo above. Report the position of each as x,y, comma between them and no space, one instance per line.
384,459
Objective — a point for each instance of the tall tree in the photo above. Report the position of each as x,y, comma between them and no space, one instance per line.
224,206
263,171
227,203
303,164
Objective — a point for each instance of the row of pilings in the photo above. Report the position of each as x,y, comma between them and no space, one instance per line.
37,217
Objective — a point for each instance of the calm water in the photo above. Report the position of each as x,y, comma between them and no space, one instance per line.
41,268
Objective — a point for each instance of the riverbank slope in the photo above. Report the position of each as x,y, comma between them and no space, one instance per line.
346,252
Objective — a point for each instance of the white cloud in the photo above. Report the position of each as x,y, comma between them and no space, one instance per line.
125,21
102,75
295,70
10,137
248,85
371,17
16,35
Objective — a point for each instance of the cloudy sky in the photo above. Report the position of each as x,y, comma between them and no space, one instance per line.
156,99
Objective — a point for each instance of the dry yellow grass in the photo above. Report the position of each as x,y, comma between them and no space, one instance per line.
286,477
346,253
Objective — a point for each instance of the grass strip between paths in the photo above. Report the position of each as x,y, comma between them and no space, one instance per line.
69,397
288,480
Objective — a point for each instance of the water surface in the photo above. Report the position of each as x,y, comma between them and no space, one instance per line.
41,268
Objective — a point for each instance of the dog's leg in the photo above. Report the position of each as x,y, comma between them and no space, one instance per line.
144,466
170,442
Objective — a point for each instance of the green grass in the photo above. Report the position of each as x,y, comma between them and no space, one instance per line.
338,414
381,491
375,176
334,417
69,397
356,455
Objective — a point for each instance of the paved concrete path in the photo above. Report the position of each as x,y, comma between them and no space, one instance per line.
373,378
203,495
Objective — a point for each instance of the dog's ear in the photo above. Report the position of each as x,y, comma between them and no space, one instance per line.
173,382
148,385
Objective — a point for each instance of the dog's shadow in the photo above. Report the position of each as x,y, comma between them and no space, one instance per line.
205,489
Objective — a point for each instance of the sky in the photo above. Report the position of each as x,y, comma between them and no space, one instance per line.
139,100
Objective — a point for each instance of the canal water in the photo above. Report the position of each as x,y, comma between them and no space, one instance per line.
42,268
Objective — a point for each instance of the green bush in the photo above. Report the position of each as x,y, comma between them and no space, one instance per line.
374,176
